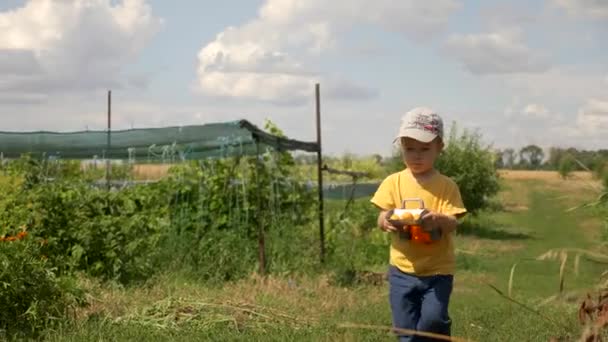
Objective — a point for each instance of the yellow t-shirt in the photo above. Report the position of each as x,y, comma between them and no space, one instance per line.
440,194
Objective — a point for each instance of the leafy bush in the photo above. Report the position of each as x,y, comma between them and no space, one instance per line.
354,243
217,208
471,166
203,214
110,234
32,297
567,164
600,172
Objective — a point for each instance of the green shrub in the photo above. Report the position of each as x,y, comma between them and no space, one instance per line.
567,164
109,234
218,206
471,166
32,297
354,243
118,233
202,215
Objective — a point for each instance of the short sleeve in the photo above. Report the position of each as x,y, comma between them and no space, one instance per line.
453,204
383,197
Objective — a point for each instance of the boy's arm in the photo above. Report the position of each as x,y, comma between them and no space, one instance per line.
448,216
383,222
447,223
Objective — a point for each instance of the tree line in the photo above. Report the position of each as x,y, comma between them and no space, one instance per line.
532,157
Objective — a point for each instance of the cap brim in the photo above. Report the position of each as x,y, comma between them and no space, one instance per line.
417,134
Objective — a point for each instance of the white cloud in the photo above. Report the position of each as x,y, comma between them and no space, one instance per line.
593,116
417,19
560,83
258,60
595,9
532,112
582,128
536,110
497,16
48,46
500,52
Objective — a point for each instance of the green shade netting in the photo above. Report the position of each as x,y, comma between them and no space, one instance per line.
185,142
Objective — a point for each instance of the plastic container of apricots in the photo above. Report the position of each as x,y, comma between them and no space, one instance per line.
408,222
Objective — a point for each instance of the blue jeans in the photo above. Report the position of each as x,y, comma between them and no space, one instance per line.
420,303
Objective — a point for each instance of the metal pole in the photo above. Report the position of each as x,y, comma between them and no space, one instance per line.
261,240
320,174
108,165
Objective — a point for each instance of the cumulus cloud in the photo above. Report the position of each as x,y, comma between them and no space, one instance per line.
593,116
595,9
500,52
537,124
559,83
258,60
48,46
536,110
530,112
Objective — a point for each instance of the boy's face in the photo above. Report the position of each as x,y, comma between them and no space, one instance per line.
420,157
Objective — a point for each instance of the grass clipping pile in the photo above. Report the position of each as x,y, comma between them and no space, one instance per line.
174,313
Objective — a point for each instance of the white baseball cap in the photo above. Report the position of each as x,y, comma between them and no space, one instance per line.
422,124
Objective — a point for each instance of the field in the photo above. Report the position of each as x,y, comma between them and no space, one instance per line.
530,220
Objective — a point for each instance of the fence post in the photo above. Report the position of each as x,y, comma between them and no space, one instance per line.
320,174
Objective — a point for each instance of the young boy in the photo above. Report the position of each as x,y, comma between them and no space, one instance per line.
421,275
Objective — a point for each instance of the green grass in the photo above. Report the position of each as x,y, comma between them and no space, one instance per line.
311,308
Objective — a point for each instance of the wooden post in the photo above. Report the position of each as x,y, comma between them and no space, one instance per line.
320,174
109,146
261,239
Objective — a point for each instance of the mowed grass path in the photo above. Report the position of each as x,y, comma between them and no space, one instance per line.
533,220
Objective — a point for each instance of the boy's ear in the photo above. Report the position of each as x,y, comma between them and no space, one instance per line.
440,144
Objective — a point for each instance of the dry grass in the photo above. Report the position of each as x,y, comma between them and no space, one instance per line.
579,188
592,228
542,175
486,247
303,299
150,171
469,282
516,198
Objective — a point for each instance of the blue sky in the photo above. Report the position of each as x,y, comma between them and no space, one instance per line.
519,72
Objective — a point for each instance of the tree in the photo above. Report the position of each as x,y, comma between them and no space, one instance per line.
509,158
499,162
555,156
531,157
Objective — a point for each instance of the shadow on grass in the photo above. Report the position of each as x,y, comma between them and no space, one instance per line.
488,229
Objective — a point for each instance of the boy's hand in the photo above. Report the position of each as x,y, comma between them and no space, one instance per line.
384,224
388,227
431,220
